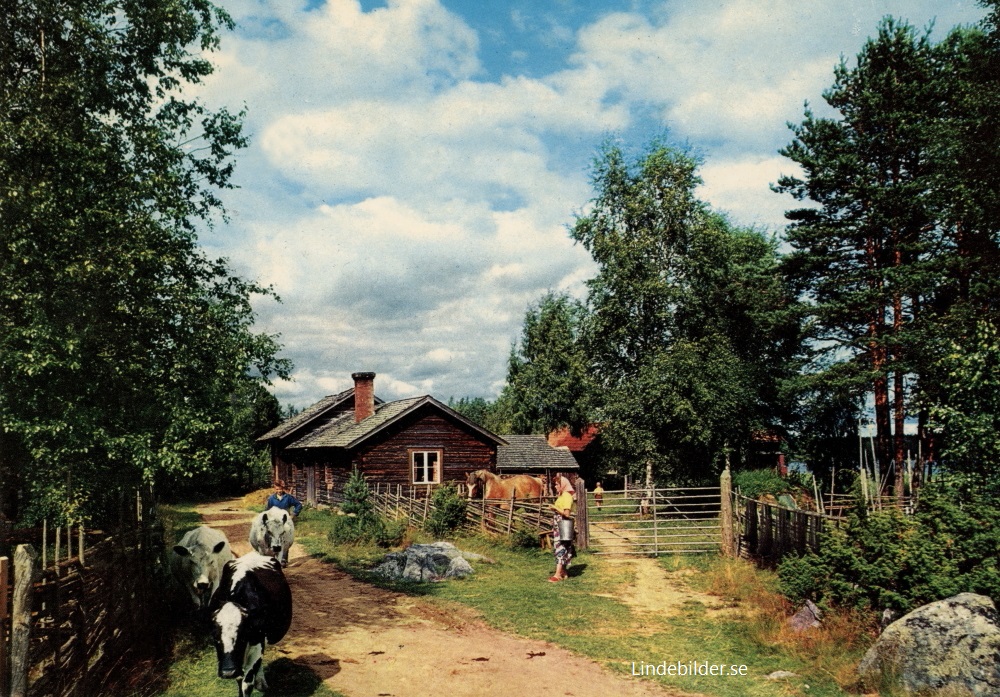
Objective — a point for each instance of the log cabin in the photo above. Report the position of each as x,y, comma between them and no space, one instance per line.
416,443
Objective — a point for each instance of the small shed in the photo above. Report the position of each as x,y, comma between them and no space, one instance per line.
533,455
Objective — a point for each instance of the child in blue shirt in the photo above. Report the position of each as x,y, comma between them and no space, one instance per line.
283,500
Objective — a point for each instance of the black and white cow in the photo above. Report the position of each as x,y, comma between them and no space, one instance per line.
272,533
252,608
198,560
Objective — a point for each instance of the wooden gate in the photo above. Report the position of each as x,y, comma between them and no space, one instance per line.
656,521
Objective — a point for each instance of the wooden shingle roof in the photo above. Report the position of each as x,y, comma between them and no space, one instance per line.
533,453
315,411
344,432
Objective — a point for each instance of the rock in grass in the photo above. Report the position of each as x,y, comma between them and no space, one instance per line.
805,618
951,646
781,675
430,562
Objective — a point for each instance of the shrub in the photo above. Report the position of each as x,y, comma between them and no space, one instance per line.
523,537
754,483
447,511
369,528
884,559
361,524
357,496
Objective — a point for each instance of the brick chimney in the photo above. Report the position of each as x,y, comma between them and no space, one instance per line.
364,395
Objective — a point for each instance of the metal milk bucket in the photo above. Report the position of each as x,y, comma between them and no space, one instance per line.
566,530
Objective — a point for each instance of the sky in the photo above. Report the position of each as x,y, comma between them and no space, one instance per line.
415,165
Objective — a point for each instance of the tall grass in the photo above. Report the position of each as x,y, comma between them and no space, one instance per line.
833,648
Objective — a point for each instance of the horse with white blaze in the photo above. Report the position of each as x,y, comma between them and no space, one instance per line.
252,608
272,533
198,560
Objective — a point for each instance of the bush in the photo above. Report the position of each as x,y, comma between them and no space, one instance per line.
361,524
754,483
884,559
523,537
447,511
357,496
369,528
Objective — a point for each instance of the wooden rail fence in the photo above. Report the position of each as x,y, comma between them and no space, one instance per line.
769,532
70,623
481,515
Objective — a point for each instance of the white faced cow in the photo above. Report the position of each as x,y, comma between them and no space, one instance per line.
253,608
198,560
272,533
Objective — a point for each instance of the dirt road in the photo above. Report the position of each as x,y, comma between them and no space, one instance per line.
364,641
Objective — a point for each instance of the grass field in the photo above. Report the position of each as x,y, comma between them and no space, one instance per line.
586,615
589,616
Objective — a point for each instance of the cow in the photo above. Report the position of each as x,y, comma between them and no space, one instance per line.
198,560
252,608
272,533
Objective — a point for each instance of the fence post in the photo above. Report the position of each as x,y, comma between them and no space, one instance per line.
726,516
20,628
4,658
582,518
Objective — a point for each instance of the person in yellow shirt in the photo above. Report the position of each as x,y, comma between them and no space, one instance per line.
563,550
598,495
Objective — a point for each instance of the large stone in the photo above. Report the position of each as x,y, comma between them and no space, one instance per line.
806,618
426,562
948,647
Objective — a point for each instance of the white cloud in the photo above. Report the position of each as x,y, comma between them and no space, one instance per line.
741,187
408,208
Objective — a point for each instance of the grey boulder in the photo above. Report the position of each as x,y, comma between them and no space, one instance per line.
426,562
951,647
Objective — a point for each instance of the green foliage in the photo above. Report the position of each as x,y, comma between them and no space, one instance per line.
968,372
754,483
899,250
447,511
884,559
367,528
494,416
357,495
360,524
548,373
121,342
685,332
523,537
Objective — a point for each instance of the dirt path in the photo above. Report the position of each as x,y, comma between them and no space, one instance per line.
364,641
654,590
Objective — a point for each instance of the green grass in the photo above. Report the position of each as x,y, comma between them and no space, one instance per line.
512,595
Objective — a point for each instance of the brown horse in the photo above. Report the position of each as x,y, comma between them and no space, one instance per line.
520,486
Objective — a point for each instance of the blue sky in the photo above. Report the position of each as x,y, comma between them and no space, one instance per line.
415,164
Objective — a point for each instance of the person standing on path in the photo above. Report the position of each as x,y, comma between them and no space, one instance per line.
283,500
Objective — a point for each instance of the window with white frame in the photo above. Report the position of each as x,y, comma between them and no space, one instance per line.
426,466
